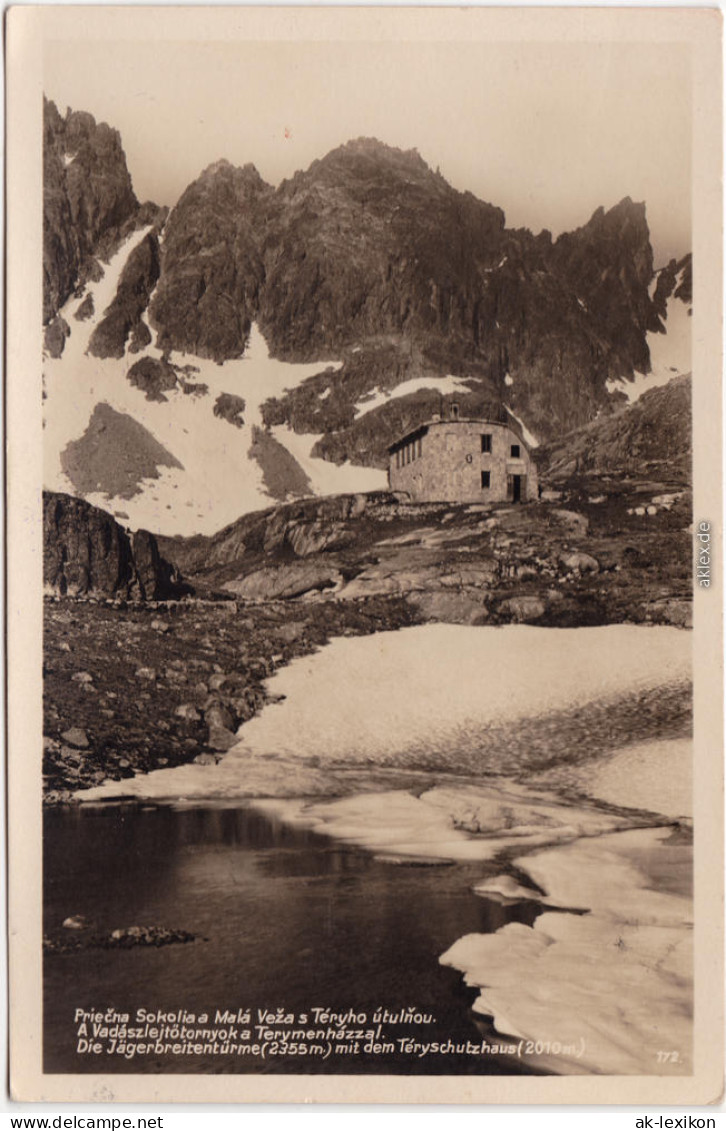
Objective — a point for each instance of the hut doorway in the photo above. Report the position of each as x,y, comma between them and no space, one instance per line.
515,488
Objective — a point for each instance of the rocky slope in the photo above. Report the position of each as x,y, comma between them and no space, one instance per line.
548,563
85,552
650,440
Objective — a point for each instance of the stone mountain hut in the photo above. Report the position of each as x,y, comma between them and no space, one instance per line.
463,461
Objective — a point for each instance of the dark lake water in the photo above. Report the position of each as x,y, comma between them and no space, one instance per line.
284,918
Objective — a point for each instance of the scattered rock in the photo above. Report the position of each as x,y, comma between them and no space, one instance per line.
571,520
221,739
154,376
523,610
76,923
218,716
146,936
76,737
189,712
585,563
450,608
82,677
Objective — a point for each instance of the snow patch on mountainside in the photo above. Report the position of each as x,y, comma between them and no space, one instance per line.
530,439
219,479
670,353
442,385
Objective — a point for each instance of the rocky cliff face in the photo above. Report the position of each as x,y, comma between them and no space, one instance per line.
85,552
367,242
211,267
87,197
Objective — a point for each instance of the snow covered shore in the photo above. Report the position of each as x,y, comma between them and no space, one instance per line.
607,976
613,987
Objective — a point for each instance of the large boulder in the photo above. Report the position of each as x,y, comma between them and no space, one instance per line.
450,608
285,581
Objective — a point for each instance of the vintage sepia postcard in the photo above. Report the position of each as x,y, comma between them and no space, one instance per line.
364,532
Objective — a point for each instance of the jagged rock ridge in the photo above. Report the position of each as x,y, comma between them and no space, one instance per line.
369,249
87,195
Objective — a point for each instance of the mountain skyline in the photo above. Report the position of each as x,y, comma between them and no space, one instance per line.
550,136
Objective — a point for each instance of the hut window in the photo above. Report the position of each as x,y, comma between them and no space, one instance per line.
486,442
485,479
419,447
398,459
515,451
408,453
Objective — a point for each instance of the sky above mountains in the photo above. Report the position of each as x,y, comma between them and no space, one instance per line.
546,131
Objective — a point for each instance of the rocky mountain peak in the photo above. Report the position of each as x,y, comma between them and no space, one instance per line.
87,196
371,172
221,186
371,150
224,173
